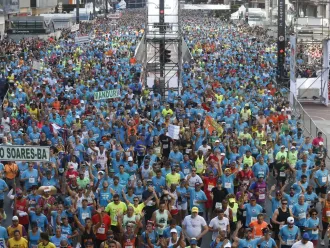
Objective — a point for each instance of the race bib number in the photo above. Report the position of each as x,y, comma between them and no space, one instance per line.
32,180
282,174
2,243
254,219
101,230
262,197
290,242
308,202
165,146
77,153
218,205
188,151
291,206
244,213
195,203
61,170
227,185
246,182
84,215
302,216
315,232
186,171
210,187
328,213
324,179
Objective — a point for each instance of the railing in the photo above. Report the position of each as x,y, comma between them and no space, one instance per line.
307,122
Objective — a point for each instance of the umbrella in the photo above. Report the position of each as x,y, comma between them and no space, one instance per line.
52,190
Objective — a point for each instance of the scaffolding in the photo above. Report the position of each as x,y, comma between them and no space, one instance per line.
163,50
310,35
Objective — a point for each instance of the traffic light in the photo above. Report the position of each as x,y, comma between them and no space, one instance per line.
167,56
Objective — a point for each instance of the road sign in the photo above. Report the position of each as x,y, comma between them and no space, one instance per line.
24,153
107,94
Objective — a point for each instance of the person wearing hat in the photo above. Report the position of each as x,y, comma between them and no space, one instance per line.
175,240
293,156
259,189
304,242
281,153
227,179
281,169
252,210
288,233
194,227
245,176
197,198
16,226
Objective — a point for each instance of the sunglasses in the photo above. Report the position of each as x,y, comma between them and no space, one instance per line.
284,203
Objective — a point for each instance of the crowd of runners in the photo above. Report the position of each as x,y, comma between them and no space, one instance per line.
241,168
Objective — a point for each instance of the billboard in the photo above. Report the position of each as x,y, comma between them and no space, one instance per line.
9,6
24,153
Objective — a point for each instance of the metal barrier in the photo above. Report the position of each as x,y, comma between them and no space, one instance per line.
307,122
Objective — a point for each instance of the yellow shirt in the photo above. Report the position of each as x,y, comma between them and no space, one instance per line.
166,112
138,209
22,243
49,245
172,179
115,209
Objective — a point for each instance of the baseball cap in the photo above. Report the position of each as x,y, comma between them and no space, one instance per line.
290,220
130,159
15,218
194,210
173,230
193,241
320,143
305,236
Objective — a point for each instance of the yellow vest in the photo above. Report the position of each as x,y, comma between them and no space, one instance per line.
234,210
248,161
199,164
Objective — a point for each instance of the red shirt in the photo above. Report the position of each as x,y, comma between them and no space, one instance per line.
102,231
22,206
209,184
244,176
317,140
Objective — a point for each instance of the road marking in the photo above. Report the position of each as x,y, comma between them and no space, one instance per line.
313,116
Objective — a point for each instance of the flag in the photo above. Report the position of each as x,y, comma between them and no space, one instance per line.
211,125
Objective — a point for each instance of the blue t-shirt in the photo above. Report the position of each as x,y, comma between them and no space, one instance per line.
56,241
32,178
251,212
300,211
40,219
252,243
34,238
321,177
84,213
197,196
267,244
3,187
289,235
313,223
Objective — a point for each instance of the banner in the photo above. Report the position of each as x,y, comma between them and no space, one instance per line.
281,37
107,94
325,73
36,65
293,83
114,16
75,28
211,125
24,153
173,131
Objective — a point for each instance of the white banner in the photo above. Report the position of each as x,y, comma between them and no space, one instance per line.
173,131
24,153
36,65
75,28
325,72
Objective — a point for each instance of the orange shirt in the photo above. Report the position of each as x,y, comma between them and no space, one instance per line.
11,171
57,105
257,228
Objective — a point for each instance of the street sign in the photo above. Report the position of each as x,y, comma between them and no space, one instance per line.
107,94
24,153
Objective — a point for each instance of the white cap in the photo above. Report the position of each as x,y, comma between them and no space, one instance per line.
130,159
282,146
173,230
82,101
293,147
47,190
290,220
282,110
222,154
77,117
320,143
217,141
19,89
14,218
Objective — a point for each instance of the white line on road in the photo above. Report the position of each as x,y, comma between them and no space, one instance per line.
314,116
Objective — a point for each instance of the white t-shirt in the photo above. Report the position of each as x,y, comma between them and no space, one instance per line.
204,149
217,224
193,180
299,244
194,225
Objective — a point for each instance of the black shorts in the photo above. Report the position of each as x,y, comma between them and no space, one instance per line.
325,225
322,190
1,203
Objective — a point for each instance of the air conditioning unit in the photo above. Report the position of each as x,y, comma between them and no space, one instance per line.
308,93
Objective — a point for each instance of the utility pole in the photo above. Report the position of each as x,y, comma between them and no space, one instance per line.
94,10
281,39
77,11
